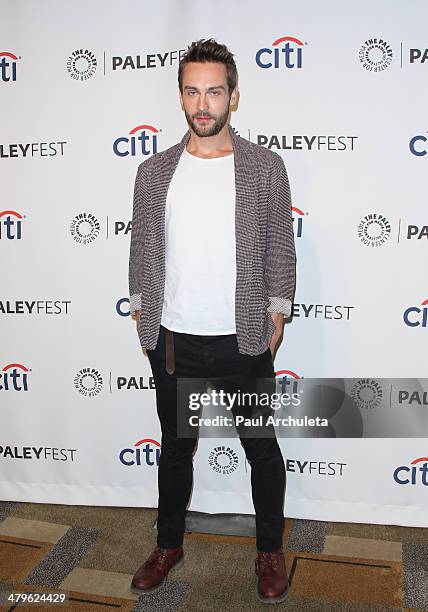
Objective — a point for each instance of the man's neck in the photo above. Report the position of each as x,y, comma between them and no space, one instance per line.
211,146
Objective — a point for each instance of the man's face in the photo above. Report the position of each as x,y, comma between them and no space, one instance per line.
205,98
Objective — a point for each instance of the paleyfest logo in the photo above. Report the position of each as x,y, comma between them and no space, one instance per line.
81,65
144,452
375,55
142,140
415,316
374,230
285,52
414,474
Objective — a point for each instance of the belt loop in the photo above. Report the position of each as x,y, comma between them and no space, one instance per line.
169,351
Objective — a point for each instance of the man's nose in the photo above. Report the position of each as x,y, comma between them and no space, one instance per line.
203,102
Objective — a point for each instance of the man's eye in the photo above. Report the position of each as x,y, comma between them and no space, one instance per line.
190,93
215,93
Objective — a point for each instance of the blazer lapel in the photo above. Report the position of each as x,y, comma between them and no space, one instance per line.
245,218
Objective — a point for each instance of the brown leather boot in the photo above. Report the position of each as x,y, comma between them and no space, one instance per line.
273,585
153,573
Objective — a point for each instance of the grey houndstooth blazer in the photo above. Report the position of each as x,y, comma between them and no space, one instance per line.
265,253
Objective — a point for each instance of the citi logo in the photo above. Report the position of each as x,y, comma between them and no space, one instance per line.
14,377
288,381
10,225
414,474
298,216
285,52
414,316
417,145
145,452
8,66
142,140
123,308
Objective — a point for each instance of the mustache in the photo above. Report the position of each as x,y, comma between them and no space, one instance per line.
200,116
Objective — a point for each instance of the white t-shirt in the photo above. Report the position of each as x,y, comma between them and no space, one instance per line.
200,247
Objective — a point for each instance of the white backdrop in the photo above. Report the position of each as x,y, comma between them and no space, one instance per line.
348,115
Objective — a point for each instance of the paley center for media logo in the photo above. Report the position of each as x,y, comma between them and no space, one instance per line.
85,228
367,393
88,382
8,63
14,377
374,230
11,225
223,459
416,316
375,54
82,64
145,452
142,140
415,473
285,52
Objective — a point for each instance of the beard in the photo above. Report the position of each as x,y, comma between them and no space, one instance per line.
212,128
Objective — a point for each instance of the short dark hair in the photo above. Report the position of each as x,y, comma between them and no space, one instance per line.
209,50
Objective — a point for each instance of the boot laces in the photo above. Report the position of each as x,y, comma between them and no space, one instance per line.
160,556
267,563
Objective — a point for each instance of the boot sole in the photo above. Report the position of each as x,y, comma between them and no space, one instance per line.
161,583
274,600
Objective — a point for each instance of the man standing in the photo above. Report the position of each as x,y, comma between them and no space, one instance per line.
211,277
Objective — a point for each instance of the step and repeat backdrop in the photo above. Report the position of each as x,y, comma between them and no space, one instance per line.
88,91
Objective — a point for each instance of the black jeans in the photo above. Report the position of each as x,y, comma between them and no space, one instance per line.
204,357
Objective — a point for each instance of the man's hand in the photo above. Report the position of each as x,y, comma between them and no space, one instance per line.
136,316
278,319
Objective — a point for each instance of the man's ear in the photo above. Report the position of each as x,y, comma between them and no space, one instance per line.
234,97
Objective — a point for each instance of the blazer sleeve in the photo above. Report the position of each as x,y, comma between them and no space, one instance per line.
135,269
280,268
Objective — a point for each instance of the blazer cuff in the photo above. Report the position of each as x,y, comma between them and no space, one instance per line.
135,302
278,304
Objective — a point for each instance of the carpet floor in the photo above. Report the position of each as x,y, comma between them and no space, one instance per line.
92,553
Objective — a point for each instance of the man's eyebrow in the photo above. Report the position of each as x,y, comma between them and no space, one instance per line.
209,88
